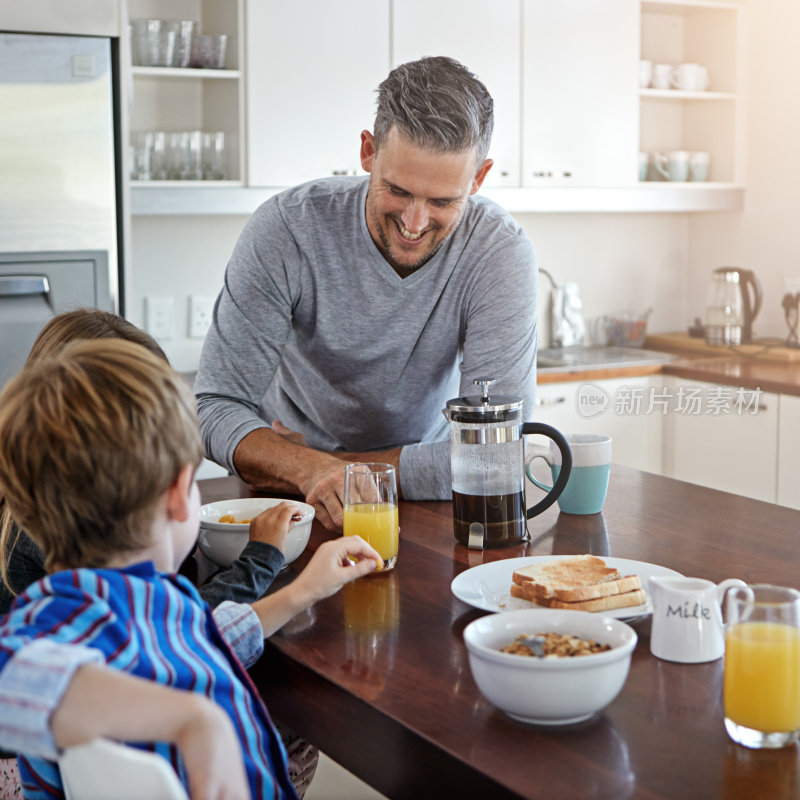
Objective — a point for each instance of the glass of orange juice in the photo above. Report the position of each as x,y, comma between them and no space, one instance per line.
762,666
370,507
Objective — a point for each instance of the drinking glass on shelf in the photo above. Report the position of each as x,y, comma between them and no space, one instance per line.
184,30
142,153
214,156
152,43
158,155
208,51
370,508
762,666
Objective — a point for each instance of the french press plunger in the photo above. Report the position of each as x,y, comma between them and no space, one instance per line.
487,466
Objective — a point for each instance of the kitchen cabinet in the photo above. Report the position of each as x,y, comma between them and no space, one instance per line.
619,407
709,33
580,93
789,452
484,36
312,71
571,119
173,99
713,438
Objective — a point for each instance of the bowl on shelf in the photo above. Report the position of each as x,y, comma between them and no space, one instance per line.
550,690
222,541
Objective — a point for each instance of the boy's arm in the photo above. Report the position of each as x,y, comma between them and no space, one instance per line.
329,569
54,696
100,701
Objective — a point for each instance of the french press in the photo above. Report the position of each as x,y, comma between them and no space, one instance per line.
487,464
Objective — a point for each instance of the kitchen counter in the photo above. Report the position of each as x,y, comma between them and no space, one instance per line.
583,363
772,368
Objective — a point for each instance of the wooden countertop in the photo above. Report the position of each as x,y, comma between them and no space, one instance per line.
770,367
378,676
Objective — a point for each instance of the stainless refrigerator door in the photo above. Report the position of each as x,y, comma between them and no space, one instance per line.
57,172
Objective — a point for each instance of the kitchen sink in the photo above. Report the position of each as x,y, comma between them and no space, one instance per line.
566,359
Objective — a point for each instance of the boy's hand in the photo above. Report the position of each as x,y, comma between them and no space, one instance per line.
272,526
330,567
213,757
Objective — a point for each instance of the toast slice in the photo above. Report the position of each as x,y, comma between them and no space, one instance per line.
568,578
536,592
624,600
635,598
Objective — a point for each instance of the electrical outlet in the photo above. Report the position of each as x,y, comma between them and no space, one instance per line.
200,310
159,317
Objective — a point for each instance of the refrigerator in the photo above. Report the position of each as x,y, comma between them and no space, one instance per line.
60,183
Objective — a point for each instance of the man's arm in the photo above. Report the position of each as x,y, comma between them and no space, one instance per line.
268,460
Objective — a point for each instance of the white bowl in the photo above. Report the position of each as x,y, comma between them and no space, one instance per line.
549,691
223,542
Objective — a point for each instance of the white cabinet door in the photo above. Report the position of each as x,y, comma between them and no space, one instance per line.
484,36
789,452
619,407
312,70
734,450
580,92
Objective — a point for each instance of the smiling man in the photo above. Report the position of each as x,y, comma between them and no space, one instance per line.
354,308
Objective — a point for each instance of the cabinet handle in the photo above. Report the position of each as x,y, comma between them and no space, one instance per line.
550,401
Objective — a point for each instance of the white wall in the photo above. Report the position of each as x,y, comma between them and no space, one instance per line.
175,256
765,236
621,263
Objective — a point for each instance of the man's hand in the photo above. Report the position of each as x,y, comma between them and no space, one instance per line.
269,460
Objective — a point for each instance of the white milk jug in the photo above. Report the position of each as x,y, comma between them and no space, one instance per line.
687,618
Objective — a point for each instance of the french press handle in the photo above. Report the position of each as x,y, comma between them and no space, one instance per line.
566,464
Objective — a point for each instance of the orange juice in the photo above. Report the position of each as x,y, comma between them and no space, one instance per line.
376,523
762,676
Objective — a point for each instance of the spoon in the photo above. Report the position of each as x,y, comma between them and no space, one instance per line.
534,643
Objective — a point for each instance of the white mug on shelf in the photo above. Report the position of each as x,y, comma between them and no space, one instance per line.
698,166
674,166
662,76
690,78
645,73
644,163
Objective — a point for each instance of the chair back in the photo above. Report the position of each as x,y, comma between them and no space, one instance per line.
102,769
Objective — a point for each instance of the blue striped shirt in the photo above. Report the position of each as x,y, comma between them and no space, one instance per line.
145,623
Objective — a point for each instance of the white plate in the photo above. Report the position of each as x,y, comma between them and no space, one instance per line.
488,586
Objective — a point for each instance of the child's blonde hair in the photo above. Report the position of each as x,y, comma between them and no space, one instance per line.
92,438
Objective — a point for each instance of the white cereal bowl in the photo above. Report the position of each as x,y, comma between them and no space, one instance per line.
549,691
223,542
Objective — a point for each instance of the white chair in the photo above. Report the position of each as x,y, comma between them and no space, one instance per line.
102,769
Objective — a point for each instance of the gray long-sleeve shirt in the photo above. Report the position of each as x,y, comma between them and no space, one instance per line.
315,328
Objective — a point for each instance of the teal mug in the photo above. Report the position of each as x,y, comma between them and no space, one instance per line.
585,492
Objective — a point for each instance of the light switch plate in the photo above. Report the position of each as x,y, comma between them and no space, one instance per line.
201,309
159,317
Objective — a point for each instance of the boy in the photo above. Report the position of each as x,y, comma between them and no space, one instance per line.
97,465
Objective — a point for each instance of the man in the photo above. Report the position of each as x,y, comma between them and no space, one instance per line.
353,309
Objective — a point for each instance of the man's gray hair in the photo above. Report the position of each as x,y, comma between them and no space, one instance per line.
438,104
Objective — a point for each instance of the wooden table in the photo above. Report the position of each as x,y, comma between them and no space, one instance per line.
378,676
